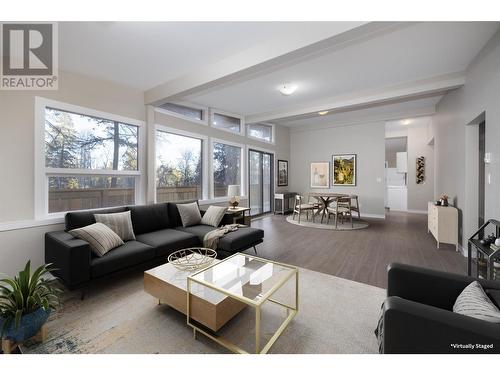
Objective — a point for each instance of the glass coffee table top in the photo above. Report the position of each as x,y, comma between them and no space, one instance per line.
245,276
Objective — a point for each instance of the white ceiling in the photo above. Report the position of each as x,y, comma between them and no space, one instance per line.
417,51
146,54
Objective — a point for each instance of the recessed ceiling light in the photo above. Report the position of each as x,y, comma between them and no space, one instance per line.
288,89
322,113
406,122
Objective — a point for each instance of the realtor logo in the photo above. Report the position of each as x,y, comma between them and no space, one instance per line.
29,56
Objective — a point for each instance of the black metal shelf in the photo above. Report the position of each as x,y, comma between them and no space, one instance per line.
483,251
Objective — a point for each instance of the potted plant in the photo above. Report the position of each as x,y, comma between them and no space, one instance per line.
25,303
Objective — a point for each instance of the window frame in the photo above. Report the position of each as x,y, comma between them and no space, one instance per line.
214,111
204,157
42,172
273,132
205,112
243,187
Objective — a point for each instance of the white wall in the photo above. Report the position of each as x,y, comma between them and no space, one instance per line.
420,194
367,140
450,126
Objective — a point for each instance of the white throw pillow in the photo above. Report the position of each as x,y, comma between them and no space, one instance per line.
100,237
120,223
474,302
190,214
213,216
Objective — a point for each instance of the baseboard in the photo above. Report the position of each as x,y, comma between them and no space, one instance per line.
371,216
421,212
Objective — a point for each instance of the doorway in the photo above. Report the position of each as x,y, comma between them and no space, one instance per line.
260,182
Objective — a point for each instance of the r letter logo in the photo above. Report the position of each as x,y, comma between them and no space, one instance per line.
29,56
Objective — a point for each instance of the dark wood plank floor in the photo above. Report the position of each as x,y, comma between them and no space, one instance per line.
360,255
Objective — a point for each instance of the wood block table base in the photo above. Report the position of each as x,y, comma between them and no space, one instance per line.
8,346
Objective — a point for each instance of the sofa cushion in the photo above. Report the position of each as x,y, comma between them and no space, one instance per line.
79,219
166,241
127,255
173,212
149,218
241,239
213,216
119,222
101,238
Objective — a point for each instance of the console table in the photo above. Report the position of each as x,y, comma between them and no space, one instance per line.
442,222
282,202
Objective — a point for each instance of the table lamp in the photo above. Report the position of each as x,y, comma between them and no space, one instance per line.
233,192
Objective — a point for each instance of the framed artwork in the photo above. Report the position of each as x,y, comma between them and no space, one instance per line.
344,170
282,172
320,174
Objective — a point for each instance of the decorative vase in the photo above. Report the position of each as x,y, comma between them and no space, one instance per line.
29,326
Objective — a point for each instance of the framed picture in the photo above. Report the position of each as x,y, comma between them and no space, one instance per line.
282,173
344,170
320,175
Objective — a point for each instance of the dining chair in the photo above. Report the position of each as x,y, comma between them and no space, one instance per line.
299,206
341,208
355,208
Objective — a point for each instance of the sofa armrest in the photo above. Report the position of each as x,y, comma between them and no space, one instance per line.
70,256
430,287
411,327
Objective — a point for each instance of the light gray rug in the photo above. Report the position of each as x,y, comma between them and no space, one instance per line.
346,225
335,316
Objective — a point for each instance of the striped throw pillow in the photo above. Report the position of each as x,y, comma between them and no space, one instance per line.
100,237
213,216
120,223
474,302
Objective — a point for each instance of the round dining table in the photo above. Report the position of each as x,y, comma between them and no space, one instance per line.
325,198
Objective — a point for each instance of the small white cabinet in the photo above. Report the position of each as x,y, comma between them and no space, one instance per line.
442,222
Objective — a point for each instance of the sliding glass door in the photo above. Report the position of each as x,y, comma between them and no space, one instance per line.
260,172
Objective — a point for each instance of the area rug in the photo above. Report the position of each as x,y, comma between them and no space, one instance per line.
335,316
346,225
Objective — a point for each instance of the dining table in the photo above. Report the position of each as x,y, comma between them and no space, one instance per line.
325,198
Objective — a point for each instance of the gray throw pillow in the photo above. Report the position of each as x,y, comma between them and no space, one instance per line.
100,237
474,302
213,216
190,214
120,223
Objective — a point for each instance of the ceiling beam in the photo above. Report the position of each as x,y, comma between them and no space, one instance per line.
277,52
434,85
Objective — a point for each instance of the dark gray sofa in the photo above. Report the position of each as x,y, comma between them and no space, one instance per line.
159,232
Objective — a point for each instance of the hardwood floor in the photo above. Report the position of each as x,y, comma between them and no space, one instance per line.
360,255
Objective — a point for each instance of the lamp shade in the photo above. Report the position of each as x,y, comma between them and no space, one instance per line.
233,191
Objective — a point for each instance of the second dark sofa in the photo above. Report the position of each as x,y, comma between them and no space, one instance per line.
158,230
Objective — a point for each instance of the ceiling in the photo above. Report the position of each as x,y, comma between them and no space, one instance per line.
146,54
410,53
350,68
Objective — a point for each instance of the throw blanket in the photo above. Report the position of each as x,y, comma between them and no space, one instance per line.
211,239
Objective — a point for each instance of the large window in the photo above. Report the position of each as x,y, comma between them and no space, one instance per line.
178,167
227,122
226,167
261,131
90,162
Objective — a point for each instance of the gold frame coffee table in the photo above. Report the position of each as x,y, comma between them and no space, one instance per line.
250,280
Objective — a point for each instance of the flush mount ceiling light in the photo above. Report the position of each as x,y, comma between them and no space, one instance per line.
322,113
406,122
287,88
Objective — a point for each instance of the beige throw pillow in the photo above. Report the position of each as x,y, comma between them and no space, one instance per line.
100,237
213,216
120,223
190,214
